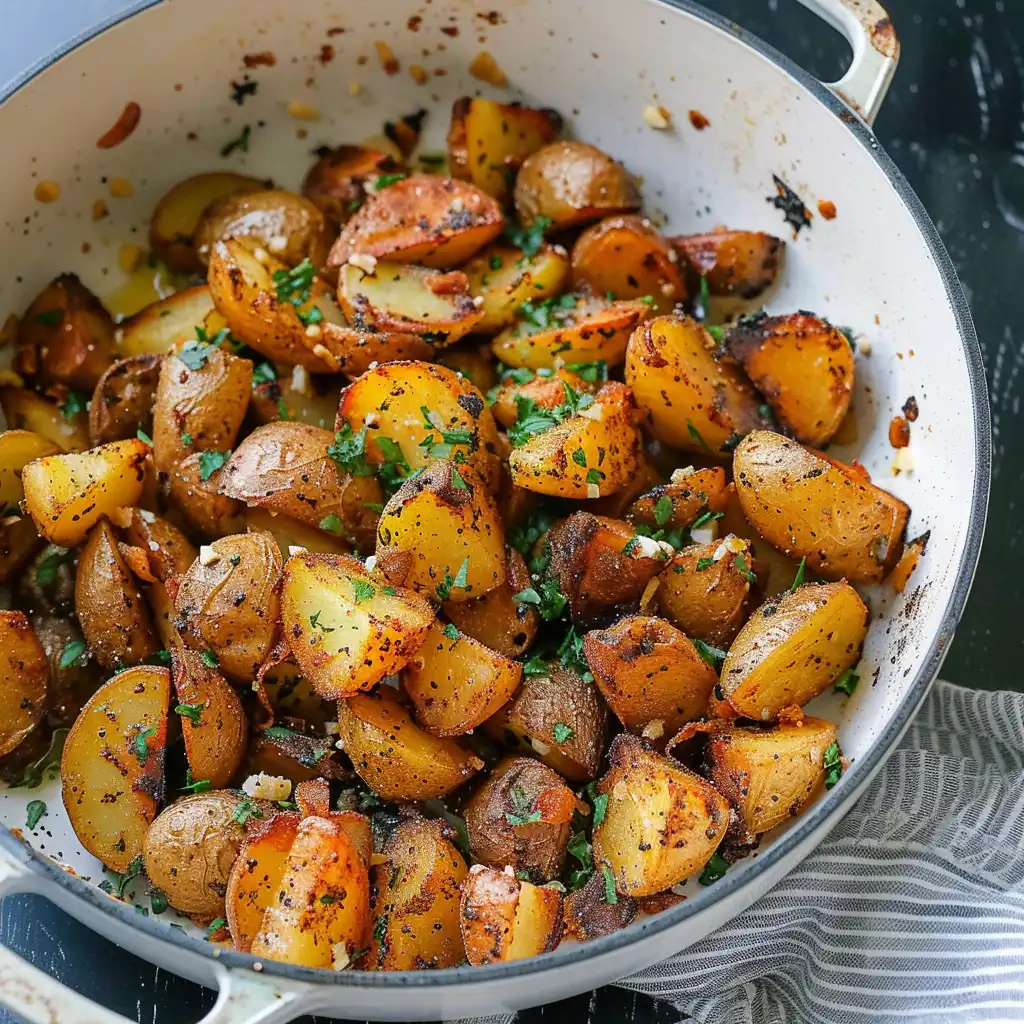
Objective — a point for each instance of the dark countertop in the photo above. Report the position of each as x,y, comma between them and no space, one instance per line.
954,123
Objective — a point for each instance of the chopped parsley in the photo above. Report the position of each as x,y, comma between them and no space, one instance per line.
186,439
199,786
332,524
158,901
549,600
847,682
741,564
563,733
215,926
35,810
293,286
49,317
530,239
142,749
245,810
535,666
315,623
798,579
362,591
695,434
705,517
144,437
532,419
663,509
452,632
349,451
495,261
580,457
832,762
385,180
264,373
546,313
600,802
210,462
703,564
595,476
75,403
74,654
610,896
443,449
240,142
523,814
396,467
190,711
715,332
444,589
46,570
119,886
458,482
593,372
210,659
570,650
380,927
715,869
714,656
703,304
327,898
579,846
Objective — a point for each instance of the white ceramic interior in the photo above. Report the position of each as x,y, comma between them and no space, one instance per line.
877,267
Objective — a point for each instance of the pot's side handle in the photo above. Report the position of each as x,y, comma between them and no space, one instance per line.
876,51
34,996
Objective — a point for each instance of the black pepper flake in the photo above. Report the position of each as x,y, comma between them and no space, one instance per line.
794,211
240,90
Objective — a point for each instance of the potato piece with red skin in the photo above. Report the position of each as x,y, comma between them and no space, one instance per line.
742,263
124,399
336,183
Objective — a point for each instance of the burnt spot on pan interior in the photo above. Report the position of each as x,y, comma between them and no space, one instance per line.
794,212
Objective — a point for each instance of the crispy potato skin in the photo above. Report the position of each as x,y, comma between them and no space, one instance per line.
589,915
697,400
572,183
783,487
124,399
415,895
768,775
518,788
794,647
25,410
65,336
424,219
701,491
200,500
336,183
804,368
190,849
158,327
663,823
24,676
742,263
648,671
628,257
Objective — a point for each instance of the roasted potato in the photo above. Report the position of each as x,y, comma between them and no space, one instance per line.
629,258
195,492
346,630
416,900
18,542
505,278
24,676
173,227
589,915
227,603
289,227
784,489
213,723
449,525
697,400
395,758
403,404
456,683
124,399
421,219
547,391
557,718
709,590
742,263
337,182
521,815
59,424
397,299
112,768
572,183
17,449
283,753
794,647
320,915
290,533
804,368
67,494
768,775
291,696
189,851
111,611
650,674
505,918
587,455
574,328
474,360
678,504
155,330
286,468
294,395
662,824
65,337
488,141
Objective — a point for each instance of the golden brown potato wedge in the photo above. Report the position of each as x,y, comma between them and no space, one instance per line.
177,215
742,263
506,278
320,915
521,815
505,918
399,299
697,400
281,752
112,768
628,257
547,390
213,723
156,329
678,504
290,533
558,718
67,494
904,569
804,368
769,775
190,849
109,605
124,399
17,449
228,602
709,590
395,758
416,900
449,525
662,824
24,676
572,183
347,631
195,492
336,183
65,337
289,227
592,453
421,219
650,674
61,425
784,488
574,328
456,683
794,647
403,404
291,696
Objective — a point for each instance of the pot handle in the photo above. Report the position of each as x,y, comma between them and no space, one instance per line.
32,995
876,51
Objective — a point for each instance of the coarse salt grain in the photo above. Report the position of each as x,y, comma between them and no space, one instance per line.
654,730
153,546
371,563
277,244
261,255
864,346
267,787
146,517
303,112
313,331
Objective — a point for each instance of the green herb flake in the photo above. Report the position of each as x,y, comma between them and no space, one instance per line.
199,786
190,711
703,564
142,748
580,457
245,810
495,261
741,564
600,808
452,632
695,434
240,142
594,476
293,286
523,813
158,901
593,372
210,659
49,317
144,437
327,899
388,591
349,451
264,373
715,869
563,733
46,569
610,895
703,305
663,508
536,666
380,927
832,762
716,332
35,810
186,439
847,682
530,239
48,766
798,579
215,926
74,654
714,656
386,180
210,462
462,575
362,591
75,403
332,524
705,517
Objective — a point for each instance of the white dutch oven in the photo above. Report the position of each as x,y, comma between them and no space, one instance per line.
878,266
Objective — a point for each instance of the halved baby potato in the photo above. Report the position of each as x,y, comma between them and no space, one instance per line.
25,410
161,325
195,492
112,768
24,679
17,449
547,391
676,505
124,399
336,183
425,219
742,263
